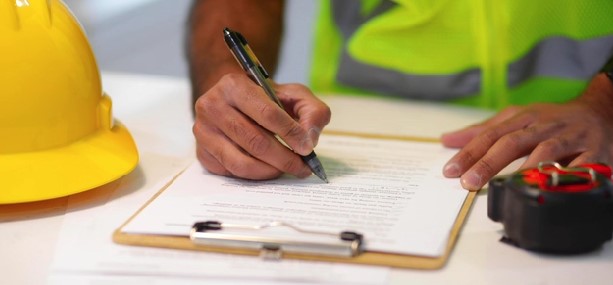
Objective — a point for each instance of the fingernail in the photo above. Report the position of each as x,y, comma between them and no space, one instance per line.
451,169
471,181
306,146
308,143
314,135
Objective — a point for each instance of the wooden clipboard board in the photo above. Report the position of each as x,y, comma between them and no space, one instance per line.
366,257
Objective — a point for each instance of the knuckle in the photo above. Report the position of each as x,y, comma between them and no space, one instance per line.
551,146
258,144
588,135
207,106
253,141
269,112
562,143
235,127
199,104
292,165
531,129
230,85
512,140
559,125
490,136
209,163
231,164
466,158
293,130
197,130
202,132
230,79
202,103
487,166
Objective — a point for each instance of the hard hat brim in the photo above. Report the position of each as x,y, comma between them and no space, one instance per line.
95,160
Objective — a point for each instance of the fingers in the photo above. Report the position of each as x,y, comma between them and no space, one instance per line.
504,151
255,104
591,157
460,138
246,150
573,142
493,149
555,148
220,156
234,129
481,142
548,132
210,163
312,113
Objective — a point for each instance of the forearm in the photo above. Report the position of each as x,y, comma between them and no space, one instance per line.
209,59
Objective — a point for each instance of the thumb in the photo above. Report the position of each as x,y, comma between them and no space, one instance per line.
311,113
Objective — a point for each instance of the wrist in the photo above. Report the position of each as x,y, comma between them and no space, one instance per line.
598,96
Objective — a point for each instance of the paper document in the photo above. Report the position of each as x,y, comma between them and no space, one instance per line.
391,191
85,254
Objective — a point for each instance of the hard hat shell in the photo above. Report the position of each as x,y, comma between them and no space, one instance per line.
57,133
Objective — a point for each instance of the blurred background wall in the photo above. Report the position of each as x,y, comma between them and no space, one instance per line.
148,36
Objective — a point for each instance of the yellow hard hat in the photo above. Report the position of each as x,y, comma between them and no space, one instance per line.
57,133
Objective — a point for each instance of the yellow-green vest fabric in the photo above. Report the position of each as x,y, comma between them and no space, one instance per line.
475,52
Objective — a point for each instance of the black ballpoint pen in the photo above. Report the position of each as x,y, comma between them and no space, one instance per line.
249,62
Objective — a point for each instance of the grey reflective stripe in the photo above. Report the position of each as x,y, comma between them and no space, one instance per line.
562,57
348,17
353,73
391,82
559,57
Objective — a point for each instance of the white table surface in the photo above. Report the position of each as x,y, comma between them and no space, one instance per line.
157,111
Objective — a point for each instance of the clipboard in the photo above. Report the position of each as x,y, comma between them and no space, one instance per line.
263,248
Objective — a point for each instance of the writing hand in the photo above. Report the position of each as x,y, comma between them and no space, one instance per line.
575,132
236,122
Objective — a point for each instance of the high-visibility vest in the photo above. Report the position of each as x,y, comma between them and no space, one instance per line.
487,53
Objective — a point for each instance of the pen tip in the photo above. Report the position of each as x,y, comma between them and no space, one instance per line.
324,178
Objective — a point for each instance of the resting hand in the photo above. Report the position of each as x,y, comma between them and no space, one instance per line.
576,132
236,122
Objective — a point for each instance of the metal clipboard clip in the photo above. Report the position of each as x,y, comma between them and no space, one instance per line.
275,238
